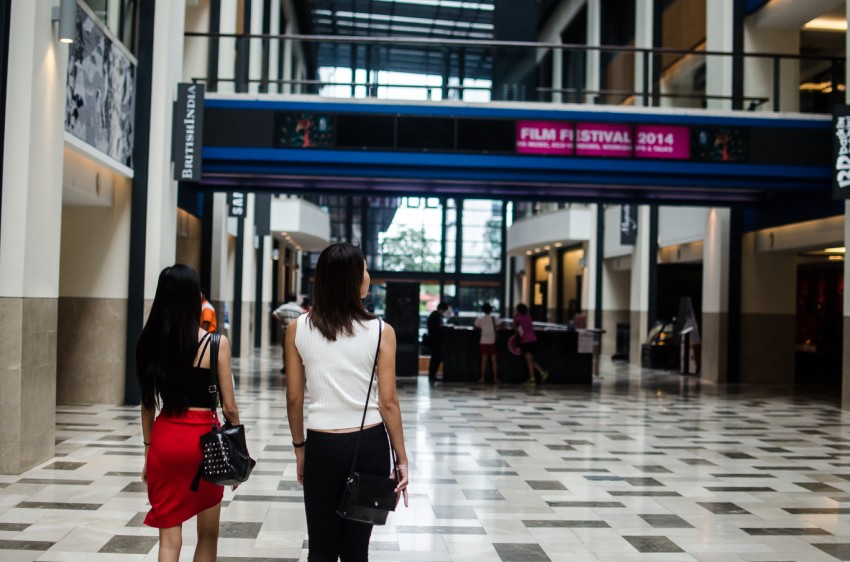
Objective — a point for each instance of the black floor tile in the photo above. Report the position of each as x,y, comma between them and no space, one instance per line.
513,552
126,544
653,544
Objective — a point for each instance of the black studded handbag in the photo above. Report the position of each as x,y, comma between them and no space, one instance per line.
368,498
226,461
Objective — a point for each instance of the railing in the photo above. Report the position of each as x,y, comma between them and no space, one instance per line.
476,70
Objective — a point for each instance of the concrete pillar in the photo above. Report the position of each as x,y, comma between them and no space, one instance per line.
255,60
639,286
719,37
30,236
161,232
268,305
594,39
553,285
715,296
557,74
196,49
221,286
287,57
227,47
249,271
591,253
273,46
643,40
845,373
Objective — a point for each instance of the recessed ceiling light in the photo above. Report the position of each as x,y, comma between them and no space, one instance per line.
827,23
837,250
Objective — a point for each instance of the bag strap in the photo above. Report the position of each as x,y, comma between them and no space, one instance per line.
213,388
214,339
206,341
366,407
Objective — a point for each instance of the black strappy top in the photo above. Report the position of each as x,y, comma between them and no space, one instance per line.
195,390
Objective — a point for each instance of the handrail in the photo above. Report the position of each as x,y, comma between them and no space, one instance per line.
401,40
487,52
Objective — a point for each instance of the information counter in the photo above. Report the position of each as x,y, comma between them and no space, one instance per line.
557,352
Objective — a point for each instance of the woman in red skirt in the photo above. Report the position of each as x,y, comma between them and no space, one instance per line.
173,366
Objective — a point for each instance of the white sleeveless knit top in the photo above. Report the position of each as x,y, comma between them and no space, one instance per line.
337,375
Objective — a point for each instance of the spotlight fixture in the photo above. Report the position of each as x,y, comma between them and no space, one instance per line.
66,14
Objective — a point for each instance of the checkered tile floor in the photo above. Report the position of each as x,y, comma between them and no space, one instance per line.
642,466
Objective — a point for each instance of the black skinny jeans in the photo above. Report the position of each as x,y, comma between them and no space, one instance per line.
327,462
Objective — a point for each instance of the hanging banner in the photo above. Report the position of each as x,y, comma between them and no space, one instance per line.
662,141
628,225
544,137
236,204
841,152
188,131
604,139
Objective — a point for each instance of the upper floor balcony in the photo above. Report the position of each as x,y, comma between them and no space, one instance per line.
752,55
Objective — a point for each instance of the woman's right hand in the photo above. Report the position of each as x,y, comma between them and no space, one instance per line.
299,465
145,473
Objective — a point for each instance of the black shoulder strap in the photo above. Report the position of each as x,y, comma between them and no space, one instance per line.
206,341
368,395
215,339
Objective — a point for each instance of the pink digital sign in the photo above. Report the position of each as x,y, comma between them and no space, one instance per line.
544,137
660,141
604,139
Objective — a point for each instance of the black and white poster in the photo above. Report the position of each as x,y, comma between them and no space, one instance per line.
100,97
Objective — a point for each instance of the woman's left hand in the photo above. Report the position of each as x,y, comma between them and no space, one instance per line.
401,476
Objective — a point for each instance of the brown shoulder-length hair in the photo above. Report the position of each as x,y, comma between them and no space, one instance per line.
336,291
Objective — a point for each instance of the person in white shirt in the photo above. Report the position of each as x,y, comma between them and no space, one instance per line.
487,346
330,351
286,313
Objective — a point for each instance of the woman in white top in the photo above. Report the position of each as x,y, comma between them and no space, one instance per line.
331,350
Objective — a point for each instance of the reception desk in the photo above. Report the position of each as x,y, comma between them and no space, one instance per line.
557,352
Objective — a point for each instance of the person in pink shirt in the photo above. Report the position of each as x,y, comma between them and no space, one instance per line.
524,328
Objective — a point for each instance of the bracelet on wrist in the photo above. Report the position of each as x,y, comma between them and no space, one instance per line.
299,445
147,443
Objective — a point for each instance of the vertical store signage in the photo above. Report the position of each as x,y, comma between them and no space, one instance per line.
188,132
236,204
628,225
841,152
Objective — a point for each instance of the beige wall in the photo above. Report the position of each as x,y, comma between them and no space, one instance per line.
768,296
93,258
188,250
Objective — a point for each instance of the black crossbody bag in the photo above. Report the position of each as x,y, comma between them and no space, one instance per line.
226,461
368,498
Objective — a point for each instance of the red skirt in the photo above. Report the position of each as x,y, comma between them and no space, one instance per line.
173,460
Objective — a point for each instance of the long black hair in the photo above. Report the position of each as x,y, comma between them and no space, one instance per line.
336,293
169,340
